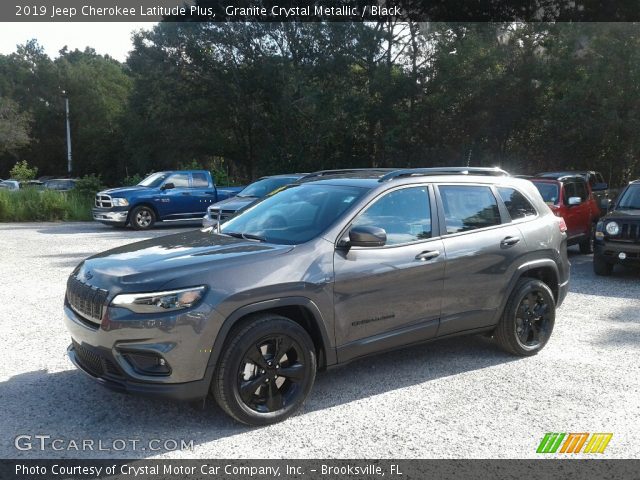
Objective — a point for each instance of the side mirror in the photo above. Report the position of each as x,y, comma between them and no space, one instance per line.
168,186
364,236
599,187
574,201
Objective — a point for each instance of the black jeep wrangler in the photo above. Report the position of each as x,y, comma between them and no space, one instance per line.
323,272
617,237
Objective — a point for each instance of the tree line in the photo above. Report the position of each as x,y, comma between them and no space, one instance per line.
251,99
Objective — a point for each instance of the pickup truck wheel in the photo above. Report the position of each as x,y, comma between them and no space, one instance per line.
601,266
142,218
265,371
528,318
586,245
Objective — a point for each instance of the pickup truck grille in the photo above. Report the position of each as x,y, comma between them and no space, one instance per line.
86,300
629,232
103,201
224,215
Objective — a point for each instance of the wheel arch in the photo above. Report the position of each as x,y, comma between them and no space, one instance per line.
301,310
143,204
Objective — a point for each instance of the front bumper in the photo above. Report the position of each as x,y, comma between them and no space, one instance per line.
110,217
610,252
104,351
209,221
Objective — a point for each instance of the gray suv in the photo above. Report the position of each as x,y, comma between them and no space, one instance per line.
321,273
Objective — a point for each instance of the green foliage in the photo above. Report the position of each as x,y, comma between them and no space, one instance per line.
43,205
14,126
22,171
89,185
133,179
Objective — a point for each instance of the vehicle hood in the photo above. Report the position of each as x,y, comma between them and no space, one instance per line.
151,264
624,214
233,203
124,191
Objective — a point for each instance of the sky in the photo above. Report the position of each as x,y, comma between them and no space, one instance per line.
113,38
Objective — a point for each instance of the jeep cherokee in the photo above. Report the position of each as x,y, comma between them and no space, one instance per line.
321,273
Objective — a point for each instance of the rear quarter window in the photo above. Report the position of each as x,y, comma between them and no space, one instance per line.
517,204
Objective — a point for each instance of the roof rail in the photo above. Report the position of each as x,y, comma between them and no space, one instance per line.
415,172
346,171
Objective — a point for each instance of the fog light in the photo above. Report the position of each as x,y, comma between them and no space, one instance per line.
622,255
147,363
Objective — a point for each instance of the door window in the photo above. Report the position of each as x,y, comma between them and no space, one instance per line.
199,180
469,207
404,214
179,180
516,203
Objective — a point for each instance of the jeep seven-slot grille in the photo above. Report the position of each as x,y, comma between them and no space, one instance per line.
86,300
629,232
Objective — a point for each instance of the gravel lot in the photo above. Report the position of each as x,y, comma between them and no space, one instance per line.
456,398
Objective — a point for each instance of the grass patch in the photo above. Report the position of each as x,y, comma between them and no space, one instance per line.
30,205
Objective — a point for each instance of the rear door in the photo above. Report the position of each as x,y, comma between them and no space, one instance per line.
391,295
202,194
481,244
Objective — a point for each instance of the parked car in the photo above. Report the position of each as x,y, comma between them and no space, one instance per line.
176,195
260,188
617,238
599,187
570,197
12,185
321,273
61,184
35,184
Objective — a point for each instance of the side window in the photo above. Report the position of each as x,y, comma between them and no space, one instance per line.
199,180
516,203
569,191
468,207
581,191
179,180
404,214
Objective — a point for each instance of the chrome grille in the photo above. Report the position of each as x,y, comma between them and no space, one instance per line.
224,214
103,201
86,300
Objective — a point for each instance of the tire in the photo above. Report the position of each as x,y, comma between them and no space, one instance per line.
249,383
586,244
142,218
601,266
523,330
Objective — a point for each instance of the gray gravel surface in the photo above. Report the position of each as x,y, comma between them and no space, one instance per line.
461,397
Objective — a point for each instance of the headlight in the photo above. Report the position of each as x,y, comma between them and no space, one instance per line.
159,302
119,202
612,228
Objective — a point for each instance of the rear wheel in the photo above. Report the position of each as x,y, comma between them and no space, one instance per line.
528,318
142,218
601,266
266,370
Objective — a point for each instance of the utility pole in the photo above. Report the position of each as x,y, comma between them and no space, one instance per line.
66,108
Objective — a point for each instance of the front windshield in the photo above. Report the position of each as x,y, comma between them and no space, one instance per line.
294,215
630,199
549,191
153,180
267,185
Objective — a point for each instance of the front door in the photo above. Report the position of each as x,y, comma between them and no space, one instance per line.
175,202
391,295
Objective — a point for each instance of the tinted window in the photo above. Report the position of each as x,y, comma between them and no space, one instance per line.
581,190
260,188
549,191
179,180
404,214
516,203
630,198
570,191
294,215
199,180
468,207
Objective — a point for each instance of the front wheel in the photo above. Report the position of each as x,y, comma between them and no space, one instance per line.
528,318
142,218
266,370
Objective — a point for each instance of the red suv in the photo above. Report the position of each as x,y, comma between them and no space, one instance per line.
570,197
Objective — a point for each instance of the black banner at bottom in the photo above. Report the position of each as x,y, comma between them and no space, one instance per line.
542,469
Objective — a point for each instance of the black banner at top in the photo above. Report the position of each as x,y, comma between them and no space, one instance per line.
320,10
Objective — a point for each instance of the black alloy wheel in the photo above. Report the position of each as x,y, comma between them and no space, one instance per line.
528,318
265,371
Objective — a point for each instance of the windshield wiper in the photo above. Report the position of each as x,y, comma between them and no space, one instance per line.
245,236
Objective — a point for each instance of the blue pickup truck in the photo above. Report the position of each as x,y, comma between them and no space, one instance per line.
161,197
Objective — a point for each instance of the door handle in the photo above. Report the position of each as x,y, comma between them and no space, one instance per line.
428,255
509,241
